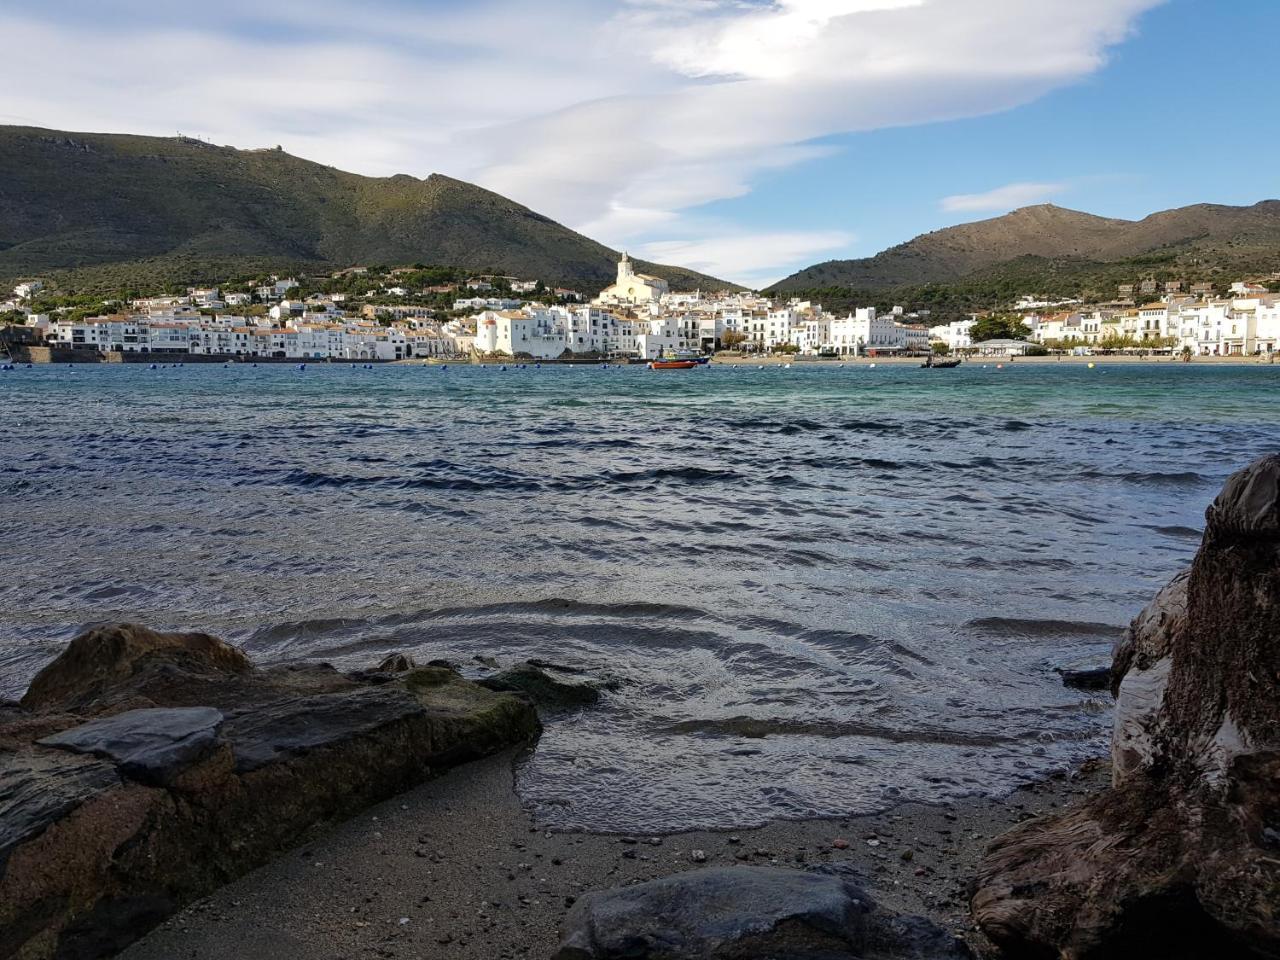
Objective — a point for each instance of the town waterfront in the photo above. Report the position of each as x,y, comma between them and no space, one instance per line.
821,589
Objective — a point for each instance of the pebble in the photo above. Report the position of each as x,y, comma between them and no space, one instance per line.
698,856
840,844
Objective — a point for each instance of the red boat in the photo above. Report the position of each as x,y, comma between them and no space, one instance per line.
673,364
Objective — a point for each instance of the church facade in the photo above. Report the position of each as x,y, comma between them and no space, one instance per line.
632,287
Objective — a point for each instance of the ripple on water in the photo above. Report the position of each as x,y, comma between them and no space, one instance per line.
818,591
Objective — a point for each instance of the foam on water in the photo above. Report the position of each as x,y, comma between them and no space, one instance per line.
820,590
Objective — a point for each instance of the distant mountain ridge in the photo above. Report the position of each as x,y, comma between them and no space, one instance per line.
1204,234
85,200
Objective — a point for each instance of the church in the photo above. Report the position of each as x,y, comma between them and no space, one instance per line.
633,287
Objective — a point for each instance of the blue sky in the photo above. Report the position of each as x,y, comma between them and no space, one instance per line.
747,138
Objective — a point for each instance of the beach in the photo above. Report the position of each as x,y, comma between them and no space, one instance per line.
458,869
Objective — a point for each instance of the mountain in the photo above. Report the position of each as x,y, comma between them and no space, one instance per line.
176,206
1048,240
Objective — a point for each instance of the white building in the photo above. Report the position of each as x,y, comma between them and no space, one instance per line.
954,334
27,290
632,287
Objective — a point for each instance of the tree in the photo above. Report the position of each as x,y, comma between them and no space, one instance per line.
732,339
999,326
941,349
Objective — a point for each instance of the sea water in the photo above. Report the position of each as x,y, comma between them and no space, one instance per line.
820,590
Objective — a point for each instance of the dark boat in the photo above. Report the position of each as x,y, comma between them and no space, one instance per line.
940,365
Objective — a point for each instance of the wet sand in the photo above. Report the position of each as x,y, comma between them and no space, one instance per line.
456,869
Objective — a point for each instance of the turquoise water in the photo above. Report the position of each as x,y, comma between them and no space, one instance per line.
880,567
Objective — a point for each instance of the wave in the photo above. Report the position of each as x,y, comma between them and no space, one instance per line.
1017,627
753,728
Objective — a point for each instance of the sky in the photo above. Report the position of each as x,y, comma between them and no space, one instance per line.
743,138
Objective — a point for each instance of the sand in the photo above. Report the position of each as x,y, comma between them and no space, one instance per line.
456,869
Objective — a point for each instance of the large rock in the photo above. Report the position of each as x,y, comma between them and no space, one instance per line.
121,661
151,745
546,692
112,818
736,913
1181,857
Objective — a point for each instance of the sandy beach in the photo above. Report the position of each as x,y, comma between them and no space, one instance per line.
456,869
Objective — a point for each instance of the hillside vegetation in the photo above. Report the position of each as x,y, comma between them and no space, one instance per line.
94,209
1055,252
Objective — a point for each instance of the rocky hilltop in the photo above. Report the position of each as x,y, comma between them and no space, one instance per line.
1206,232
77,200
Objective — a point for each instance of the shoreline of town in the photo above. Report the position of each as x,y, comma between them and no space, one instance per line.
504,319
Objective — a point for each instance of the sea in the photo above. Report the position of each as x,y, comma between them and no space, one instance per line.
815,591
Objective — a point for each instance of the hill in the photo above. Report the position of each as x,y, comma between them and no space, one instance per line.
176,209
1199,240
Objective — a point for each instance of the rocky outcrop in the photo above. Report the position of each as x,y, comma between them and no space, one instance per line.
545,691
746,913
145,769
1181,857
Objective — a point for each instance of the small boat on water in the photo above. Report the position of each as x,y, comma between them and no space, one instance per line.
930,364
673,364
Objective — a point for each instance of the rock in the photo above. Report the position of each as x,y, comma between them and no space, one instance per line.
38,789
546,692
108,661
718,913
290,728
1096,679
151,745
397,663
112,819
746,913
1174,860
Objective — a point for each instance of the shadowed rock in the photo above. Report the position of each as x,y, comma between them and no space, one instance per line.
546,692
112,818
1181,857
736,913
151,745
116,660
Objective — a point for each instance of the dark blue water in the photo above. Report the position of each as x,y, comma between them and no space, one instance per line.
879,568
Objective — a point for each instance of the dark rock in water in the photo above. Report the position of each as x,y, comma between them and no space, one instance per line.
747,913
38,789
151,745
545,691
110,821
1096,679
113,661
1175,860
397,663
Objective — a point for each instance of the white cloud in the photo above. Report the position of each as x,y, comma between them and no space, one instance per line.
618,117
754,259
1002,199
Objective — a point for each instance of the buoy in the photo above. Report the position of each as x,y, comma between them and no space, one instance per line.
873,366
537,366
302,366
444,367
999,366
504,366
1090,366
787,367
152,367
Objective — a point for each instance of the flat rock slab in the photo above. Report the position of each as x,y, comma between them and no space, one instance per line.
726,912
38,789
150,745
291,728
